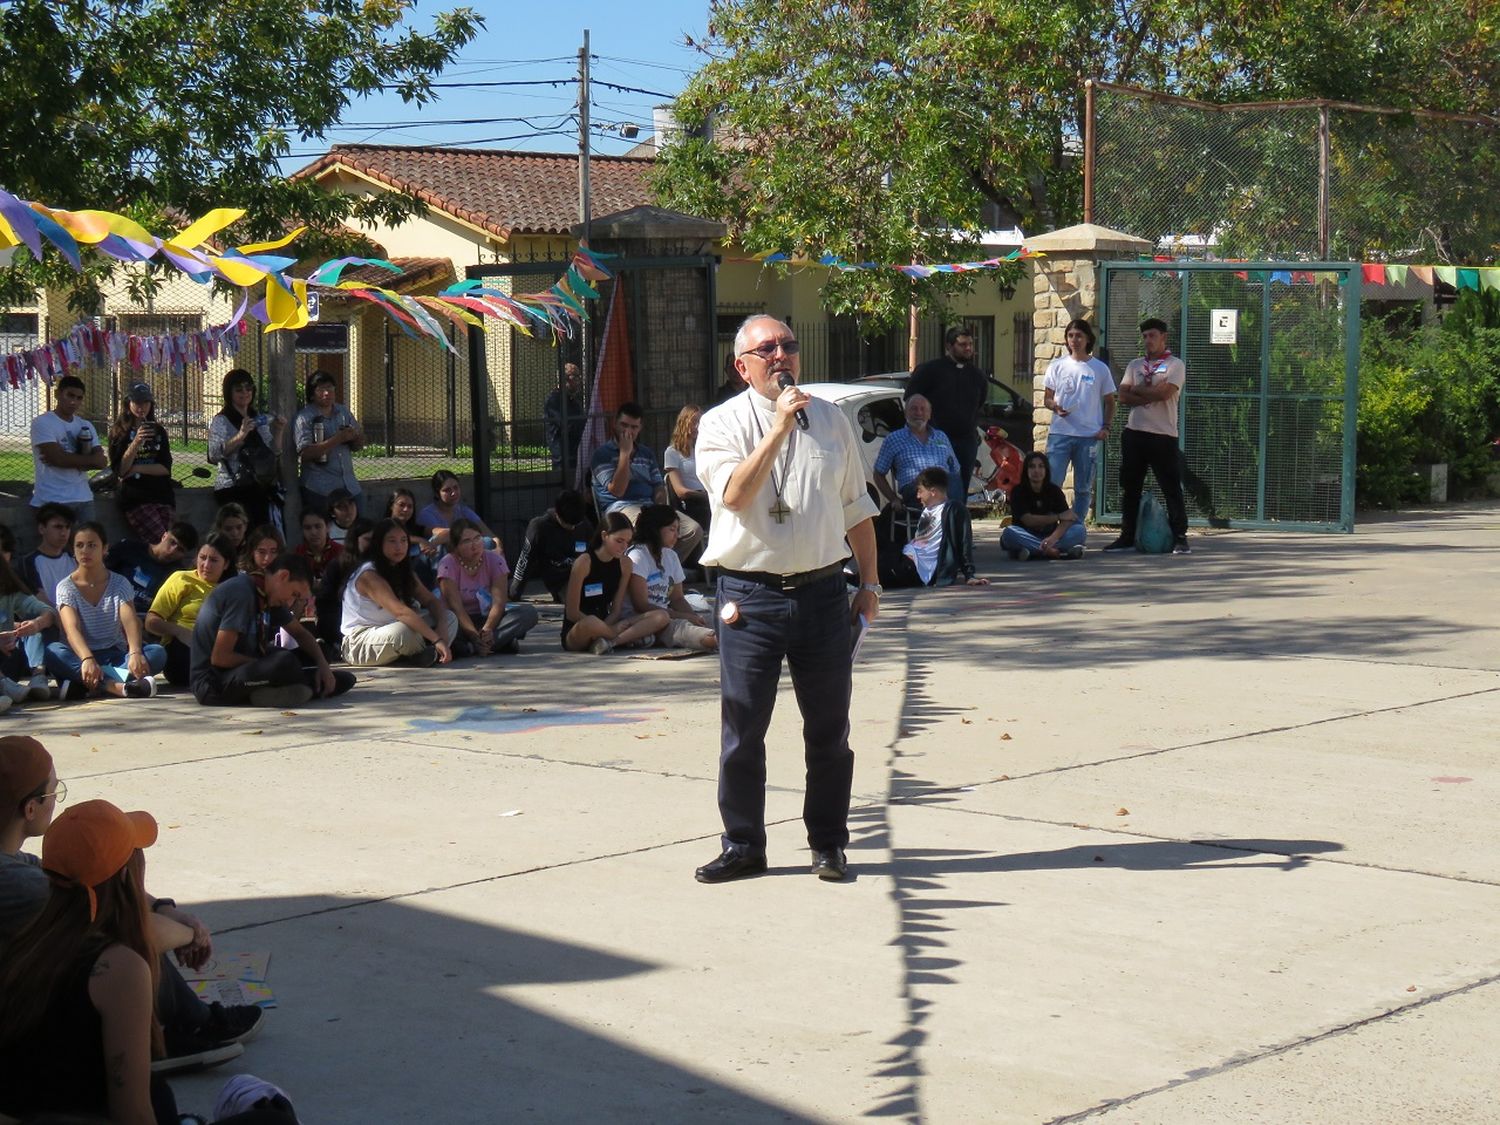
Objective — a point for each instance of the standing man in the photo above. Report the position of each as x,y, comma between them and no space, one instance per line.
627,476
1080,392
64,447
784,500
571,394
956,388
1151,388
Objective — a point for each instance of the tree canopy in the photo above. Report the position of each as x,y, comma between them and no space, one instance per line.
157,107
879,129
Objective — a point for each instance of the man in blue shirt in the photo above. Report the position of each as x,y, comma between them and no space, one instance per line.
627,476
910,450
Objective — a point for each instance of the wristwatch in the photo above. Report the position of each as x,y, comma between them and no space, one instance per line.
874,587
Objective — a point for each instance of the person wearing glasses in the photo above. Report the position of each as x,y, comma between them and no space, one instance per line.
789,504
627,476
196,1034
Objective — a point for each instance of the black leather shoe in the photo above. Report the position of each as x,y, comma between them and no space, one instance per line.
731,865
830,864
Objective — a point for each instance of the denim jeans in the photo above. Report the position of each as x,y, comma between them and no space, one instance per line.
1017,538
1081,453
63,663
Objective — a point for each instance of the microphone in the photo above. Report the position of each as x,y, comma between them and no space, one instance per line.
785,380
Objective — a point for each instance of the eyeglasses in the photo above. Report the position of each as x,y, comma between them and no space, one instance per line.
60,793
767,350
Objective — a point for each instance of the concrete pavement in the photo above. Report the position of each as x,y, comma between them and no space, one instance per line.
1136,839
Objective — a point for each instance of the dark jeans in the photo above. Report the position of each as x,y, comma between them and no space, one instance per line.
1140,451
177,1005
896,568
276,669
809,629
179,663
966,449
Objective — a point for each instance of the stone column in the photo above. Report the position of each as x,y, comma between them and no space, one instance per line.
1065,287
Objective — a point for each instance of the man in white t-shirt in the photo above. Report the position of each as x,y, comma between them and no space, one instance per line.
1080,392
64,447
1151,387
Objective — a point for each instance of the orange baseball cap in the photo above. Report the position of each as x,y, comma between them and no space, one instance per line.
90,842
25,767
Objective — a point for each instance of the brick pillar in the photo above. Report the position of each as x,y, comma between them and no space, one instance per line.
1065,287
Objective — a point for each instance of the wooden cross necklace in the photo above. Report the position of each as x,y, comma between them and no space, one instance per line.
778,511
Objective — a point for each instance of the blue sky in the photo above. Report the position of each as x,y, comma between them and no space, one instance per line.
635,45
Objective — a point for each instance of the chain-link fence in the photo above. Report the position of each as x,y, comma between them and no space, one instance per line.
1313,180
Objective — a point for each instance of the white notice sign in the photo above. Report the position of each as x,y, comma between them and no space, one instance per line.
1223,327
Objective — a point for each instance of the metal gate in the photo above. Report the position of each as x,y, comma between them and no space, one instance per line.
1267,418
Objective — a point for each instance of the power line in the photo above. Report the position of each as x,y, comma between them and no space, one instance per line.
644,62
490,85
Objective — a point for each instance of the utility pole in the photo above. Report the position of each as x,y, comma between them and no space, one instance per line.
584,206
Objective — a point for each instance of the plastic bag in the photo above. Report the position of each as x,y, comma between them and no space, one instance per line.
1153,534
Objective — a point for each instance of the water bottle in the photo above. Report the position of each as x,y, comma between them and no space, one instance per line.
319,434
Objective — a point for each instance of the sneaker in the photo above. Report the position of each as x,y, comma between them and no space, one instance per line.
1121,544
424,659
600,645
232,1023
189,1050
12,690
143,688
282,696
1074,552
648,641
245,1092
38,688
1022,554
1180,547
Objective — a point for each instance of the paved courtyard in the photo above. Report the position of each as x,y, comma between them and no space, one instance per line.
1177,840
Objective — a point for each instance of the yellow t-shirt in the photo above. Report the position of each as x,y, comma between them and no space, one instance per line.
180,598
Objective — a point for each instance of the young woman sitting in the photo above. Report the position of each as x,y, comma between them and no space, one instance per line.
232,523
23,617
656,581
175,608
78,1027
260,549
402,507
104,650
448,505
681,466
473,584
389,616
1044,525
594,615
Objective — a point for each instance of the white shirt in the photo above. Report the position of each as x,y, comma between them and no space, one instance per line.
53,484
1079,387
822,478
659,579
671,459
927,544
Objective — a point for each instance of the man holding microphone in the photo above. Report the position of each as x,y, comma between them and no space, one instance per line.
786,486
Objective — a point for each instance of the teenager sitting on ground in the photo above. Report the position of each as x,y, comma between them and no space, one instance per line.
448,505
594,612
260,549
174,610
553,540
24,618
231,522
43,568
472,582
1043,525
316,547
402,507
104,650
235,660
145,566
197,1034
941,550
389,616
77,986
656,581
328,593
343,510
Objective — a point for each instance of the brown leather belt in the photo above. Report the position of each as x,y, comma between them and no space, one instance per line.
784,582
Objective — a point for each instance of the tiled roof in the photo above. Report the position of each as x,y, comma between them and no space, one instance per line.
504,193
415,272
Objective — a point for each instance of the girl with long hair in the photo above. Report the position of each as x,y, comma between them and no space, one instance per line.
246,444
448,505
260,548
388,615
174,610
594,615
142,462
474,583
401,506
104,649
1043,525
680,464
656,581
232,522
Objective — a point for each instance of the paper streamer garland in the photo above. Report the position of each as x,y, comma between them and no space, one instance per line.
87,344
469,304
913,270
